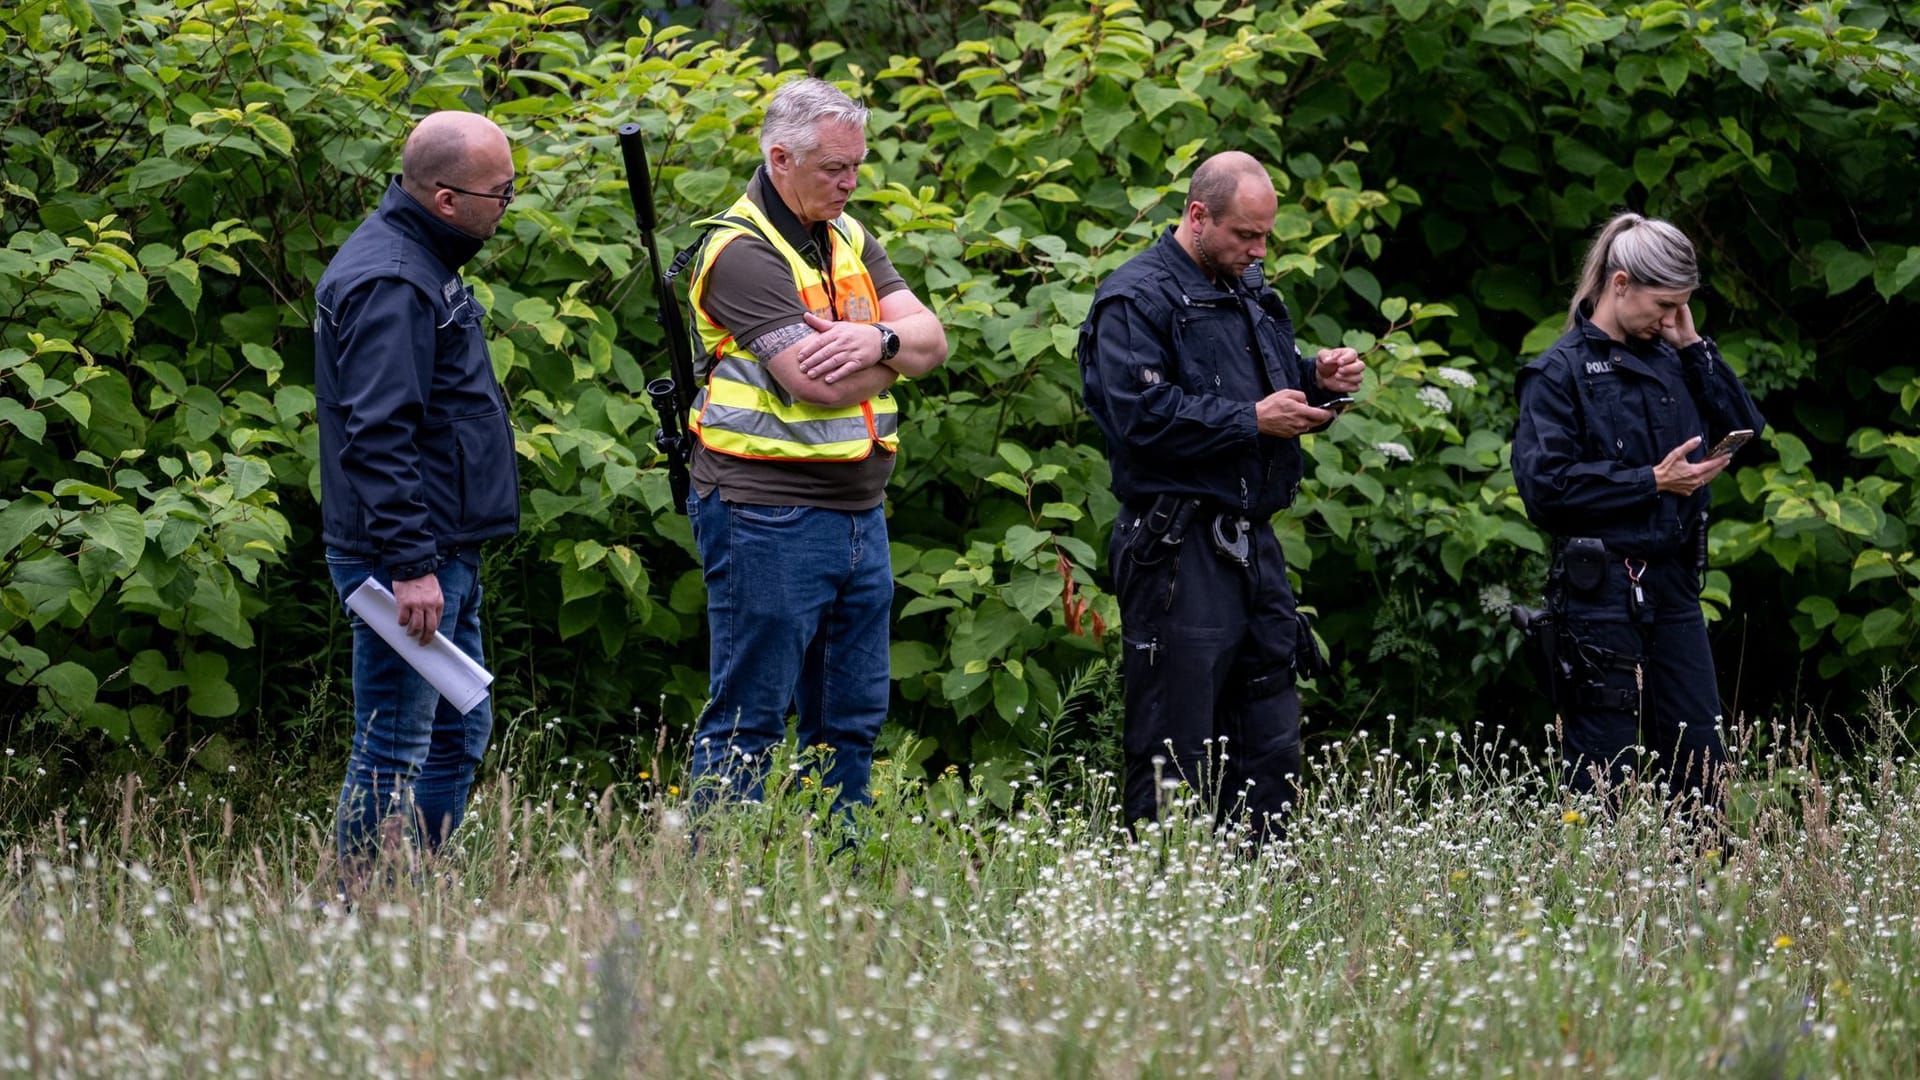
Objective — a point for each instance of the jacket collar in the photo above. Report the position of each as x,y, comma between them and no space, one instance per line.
813,244
1647,358
451,246
1192,281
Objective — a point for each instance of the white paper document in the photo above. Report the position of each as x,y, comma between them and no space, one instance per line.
459,678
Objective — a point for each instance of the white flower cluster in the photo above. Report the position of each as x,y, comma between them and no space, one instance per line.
1462,379
1496,599
1394,451
1434,398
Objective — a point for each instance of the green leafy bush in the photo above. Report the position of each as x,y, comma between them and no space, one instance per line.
174,177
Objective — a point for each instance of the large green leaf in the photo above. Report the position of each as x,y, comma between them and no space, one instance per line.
70,687
208,691
1106,112
22,419
119,529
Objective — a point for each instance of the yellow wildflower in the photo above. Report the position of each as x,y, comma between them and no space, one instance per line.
1573,817
1783,942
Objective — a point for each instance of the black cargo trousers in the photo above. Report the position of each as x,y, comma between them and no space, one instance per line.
1642,675
1209,631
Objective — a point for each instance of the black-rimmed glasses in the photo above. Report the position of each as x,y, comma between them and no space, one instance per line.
505,197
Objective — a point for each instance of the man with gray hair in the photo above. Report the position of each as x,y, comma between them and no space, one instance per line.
416,468
804,325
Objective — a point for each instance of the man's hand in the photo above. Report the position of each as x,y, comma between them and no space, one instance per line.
421,605
1338,369
1681,333
1678,476
1286,413
837,349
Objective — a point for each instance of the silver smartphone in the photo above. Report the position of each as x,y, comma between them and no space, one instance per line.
1733,441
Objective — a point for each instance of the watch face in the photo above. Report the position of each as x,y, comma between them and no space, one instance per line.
889,342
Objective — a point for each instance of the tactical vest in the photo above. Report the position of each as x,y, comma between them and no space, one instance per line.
742,410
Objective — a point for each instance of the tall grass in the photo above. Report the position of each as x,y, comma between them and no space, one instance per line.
1447,914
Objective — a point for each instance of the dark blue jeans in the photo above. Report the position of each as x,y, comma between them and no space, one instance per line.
413,756
798,599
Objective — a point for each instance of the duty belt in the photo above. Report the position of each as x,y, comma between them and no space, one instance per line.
1165,523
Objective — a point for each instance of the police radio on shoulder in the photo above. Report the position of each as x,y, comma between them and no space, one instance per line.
1734,440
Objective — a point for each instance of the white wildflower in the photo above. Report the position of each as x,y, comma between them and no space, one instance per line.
1462,379
1496,599
1434,398
772,1046
1394,451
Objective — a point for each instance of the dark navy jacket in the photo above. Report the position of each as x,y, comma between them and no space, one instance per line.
416,453
1596,416
1173,365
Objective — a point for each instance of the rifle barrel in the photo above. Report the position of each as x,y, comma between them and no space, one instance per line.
633,150
671,395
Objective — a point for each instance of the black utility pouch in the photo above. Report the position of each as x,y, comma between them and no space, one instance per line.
1540,646
1584,560
1308,661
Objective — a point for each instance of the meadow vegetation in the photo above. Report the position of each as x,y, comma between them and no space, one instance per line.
1443,913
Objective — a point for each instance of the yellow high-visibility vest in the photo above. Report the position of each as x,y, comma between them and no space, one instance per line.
742,410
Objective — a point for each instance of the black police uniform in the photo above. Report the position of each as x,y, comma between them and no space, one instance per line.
1173,363
1596,416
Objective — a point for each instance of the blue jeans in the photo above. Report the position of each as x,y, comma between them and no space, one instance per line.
413,755
798,599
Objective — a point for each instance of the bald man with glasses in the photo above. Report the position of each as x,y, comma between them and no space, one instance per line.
417,470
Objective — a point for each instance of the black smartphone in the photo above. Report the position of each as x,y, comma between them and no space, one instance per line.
1733,441
1345,401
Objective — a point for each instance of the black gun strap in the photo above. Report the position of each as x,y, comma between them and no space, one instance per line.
680,261
686,256
1610,698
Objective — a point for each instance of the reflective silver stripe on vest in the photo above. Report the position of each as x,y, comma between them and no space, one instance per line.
735,368
758,425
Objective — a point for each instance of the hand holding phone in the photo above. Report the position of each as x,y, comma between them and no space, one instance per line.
1733,441
1338,405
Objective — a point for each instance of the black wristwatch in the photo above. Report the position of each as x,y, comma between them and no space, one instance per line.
889,342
